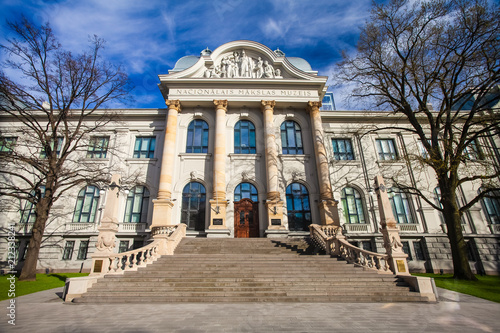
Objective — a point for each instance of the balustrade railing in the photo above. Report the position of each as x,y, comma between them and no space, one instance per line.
131,260
330,239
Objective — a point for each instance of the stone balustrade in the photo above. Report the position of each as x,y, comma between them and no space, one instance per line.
132,260
330,239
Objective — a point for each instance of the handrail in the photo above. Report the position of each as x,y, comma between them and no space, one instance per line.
133,259
330,239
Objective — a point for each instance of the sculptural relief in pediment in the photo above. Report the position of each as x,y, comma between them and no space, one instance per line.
239,64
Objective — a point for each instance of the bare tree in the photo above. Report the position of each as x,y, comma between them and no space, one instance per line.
60,100
415,54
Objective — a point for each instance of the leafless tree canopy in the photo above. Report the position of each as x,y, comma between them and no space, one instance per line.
60,98
436,64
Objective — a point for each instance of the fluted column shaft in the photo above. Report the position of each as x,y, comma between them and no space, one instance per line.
218,203
162,206
274,204
220,150
327,205
167,159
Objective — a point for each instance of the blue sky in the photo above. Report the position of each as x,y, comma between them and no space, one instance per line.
148,37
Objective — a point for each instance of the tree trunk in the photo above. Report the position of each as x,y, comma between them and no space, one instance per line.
461,266
28,272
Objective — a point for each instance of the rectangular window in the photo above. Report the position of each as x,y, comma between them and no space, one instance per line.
123,247
7,145
82,250
422,150
98,147
419,250
406,249
68,250
60,139
386,149
342,149
144,147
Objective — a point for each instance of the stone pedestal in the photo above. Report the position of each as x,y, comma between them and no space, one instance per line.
275,215
390,232
218,214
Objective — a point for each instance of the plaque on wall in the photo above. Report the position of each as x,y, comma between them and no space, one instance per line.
401,266
218,222
275,222
98,266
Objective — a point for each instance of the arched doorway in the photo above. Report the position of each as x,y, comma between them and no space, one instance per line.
193,206
297,205
246,211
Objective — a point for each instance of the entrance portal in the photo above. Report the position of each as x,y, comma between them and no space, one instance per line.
246,219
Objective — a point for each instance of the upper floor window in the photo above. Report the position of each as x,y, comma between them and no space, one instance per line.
342,149
244,137
491,204
197,137
328,102
400,206
472,151
144,147
60,139
291,138
386,149
28,214
136,209
98,147
7,144
86,204
353,206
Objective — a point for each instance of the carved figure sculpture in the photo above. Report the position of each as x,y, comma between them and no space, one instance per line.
259,68
245,64
106,241
268,70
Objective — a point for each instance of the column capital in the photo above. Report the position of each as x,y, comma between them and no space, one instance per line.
267,105
173,104
220,104
312,106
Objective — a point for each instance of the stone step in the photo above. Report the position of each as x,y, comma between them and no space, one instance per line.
199,279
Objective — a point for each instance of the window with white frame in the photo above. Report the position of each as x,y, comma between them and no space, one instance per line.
7,145
342,149
86,204
144,147
491,204
136,208
45,152
352,204
386,149
68,250
28,214
98,147
401,207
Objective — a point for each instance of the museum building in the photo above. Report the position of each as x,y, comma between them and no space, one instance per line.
246,148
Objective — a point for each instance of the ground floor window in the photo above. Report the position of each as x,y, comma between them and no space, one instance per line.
68,250
193,206
299,210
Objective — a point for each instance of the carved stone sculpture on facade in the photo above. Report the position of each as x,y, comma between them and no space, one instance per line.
240,65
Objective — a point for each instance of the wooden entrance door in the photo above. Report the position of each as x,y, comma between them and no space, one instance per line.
246,221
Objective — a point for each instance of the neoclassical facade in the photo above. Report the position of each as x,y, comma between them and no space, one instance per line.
245,149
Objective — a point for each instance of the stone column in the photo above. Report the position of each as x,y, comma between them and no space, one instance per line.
390,231
162,206
274,204
218,203
327,206
106,240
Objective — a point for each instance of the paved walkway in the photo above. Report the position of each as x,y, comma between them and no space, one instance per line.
45,312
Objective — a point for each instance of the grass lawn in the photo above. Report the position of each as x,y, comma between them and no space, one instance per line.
43,282
488,287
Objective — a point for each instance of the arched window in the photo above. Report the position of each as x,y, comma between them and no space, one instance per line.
299,210
291,138
197,137
491,204
136,209
353,206
86,204
400,206
193,206
245,191
244,137
28,214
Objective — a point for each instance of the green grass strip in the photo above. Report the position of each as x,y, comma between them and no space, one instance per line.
487,287
43,282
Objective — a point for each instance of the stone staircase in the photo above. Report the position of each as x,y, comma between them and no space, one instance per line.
248,270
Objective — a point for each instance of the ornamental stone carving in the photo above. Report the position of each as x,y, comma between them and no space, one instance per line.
240,65
106,242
